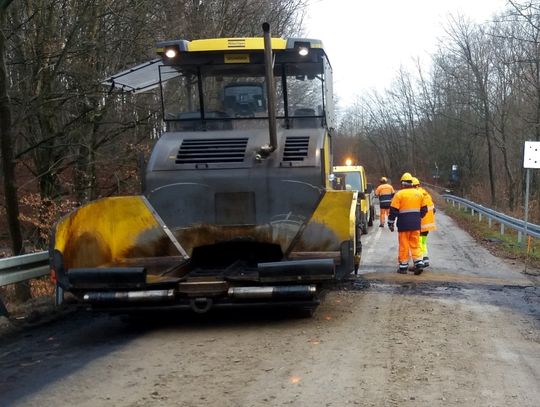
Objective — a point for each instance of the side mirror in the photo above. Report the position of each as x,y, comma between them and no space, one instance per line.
369,188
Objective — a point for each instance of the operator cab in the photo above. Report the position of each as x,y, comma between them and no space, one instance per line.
215,85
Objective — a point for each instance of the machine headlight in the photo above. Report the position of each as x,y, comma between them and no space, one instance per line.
170,53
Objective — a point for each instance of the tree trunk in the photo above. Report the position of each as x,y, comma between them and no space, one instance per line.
487,129
22,290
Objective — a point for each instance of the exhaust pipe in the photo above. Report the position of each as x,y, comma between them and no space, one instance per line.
274,292
129,296
264,151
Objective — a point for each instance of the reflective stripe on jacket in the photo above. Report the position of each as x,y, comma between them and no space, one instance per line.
428,221
409,208
385,192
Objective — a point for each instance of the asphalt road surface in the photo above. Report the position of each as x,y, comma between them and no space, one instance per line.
464,333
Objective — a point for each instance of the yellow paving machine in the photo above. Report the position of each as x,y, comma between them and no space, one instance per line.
238,207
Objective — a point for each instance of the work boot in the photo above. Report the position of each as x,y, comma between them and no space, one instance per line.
418,267
381,225
403,268
426,261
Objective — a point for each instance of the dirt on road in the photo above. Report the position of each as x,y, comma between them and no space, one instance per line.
466,333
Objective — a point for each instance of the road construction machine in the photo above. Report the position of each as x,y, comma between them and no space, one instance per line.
237,207
353,177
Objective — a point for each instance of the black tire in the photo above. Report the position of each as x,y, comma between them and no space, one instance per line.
371,216
364,226
304,312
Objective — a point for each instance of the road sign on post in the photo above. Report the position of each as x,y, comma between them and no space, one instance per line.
531,156
531,159
454,176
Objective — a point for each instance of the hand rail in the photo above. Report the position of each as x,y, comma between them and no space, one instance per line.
21,268
514,223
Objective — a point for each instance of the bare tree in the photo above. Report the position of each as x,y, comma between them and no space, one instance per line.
8,165
471,47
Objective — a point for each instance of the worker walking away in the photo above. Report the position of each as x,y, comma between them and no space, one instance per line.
385,192
408,207
428,221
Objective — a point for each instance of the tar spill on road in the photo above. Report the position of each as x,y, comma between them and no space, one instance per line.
525,298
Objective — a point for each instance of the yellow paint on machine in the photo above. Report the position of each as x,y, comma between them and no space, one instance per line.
332,223
327,162
108,230
225,44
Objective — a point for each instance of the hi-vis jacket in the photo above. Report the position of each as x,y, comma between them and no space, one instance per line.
408,205
385,192
428,221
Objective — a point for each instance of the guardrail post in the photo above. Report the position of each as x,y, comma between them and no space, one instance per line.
3,310
453,203
58,295
459,205
489,223
479,217
502,228
520,236
472,212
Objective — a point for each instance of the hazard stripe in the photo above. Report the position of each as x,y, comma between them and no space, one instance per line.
427,225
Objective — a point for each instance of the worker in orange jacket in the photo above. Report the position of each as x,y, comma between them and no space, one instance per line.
428,221
408,206
385,192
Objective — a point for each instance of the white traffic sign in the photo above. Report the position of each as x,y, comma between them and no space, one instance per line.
531,157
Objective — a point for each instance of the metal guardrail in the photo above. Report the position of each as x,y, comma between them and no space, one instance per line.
21,268
492,215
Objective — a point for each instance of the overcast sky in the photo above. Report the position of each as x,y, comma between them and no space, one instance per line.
368,40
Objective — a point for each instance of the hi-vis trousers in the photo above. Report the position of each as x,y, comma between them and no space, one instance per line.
409,244
383,214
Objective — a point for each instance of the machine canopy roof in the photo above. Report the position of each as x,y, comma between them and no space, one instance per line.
146,76
140,78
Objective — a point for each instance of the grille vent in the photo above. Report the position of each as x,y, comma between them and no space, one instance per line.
205,151
296,148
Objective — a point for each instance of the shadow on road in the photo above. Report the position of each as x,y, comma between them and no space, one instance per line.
35,357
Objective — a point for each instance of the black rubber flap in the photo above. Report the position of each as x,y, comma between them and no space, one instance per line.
110,277
312,269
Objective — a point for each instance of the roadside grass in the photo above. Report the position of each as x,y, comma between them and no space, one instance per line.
505,245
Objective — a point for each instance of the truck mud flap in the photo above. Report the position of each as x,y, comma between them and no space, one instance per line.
347,265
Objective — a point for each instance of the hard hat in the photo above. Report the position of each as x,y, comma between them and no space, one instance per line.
415,181
406,177
384,179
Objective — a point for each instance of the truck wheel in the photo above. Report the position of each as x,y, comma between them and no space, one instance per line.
371,216
304,312
364,226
